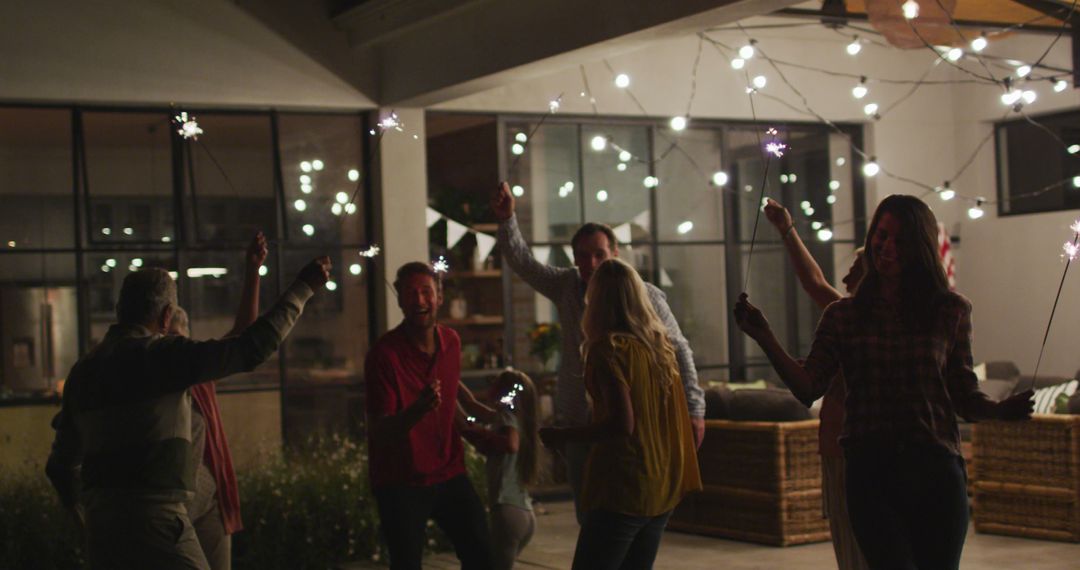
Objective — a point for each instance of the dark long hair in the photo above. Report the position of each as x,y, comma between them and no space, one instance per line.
922,278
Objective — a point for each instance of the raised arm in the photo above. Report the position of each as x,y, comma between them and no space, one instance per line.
810,275
545,279
248,310
807,382
474,407
178,362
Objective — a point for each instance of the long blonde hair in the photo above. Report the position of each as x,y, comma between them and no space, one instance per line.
618,302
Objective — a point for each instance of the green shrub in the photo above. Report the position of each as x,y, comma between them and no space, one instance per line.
35,531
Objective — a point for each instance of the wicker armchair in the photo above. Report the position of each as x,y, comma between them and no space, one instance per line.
762,484
1027,477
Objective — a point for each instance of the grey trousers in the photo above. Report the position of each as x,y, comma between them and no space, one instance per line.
125,533
216,545
511,529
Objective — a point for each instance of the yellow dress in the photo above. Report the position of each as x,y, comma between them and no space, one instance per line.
647,473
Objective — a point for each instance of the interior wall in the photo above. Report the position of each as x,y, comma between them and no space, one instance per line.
161,52
1008,267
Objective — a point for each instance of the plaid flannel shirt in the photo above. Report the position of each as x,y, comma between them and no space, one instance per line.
903,386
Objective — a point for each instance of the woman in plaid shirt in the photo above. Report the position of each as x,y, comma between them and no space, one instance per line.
903,344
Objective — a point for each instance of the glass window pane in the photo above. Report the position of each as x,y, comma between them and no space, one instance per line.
770,285
35,178
689,205
545,180
233,181
105,272
320,163
325,350
38,322
694,279
129,177
211,289
1035,171
615,190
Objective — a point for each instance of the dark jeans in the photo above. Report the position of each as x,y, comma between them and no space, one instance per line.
455,507
614,541
908,505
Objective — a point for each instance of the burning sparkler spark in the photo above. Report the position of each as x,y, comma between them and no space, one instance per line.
391,121
440,265
370,252
189,127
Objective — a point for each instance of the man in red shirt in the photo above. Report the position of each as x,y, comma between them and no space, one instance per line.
417,460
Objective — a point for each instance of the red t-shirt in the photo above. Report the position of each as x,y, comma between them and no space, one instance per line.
395,373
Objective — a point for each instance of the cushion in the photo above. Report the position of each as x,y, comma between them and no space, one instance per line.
1046,399
980,371
1024,383
755,385
999,389
760,405
1001,369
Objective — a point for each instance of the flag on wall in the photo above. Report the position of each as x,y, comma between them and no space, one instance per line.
945,249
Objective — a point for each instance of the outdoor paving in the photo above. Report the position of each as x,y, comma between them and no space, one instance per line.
556,532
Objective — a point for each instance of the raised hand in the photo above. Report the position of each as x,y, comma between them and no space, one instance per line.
750,319
256,252
1018,407
316,273
502,203
777,215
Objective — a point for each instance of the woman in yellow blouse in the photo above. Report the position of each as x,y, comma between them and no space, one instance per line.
643,459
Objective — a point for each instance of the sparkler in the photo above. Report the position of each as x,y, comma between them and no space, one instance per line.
391,121
440,265
371,252
508,399
189,127
553,107
773,148
1071,250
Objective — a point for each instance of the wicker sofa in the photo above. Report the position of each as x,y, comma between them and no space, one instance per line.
762,484
1027,477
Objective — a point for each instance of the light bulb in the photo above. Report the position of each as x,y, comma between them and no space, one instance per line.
305,179
783,178
910,9
651,182
854,47
305,166
1076,181
354,175
300,205
870,109
308,229
521,137
137,262
678,123
809,211
317,164
760,81
720,178
746,52
336,209
1073,148
518,190
342,197
840,161
106,231
331,286
804,204
1010,98
954,54
517,148
601,196
947,194
622,81
1060,85
110,262
355,269
815,225
350,208
685,227
871,169
824,234
306,188
738,63
625,156
859,91
834,185
621,167
975,212
978,44
1023,71
598,143
263,271
1029,96
830,199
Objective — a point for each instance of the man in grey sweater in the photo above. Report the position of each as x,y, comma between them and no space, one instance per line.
123,435
592,244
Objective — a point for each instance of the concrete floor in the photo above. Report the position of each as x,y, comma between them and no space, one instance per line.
552,547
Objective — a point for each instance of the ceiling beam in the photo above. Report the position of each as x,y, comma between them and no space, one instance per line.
831,17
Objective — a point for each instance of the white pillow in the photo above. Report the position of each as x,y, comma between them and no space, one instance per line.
980,371
1046,398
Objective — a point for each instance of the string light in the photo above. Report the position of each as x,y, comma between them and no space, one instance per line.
306,188
747,51
854,47
910,9
622,81
317,164
621,167
553,105
679,123
1023,71
871,168
860,90
342,198
824,234
775,148
521,137
1076,181
625,156
305,179
517,148
651,182
300,206
720,178
601,196
518,190
263,271
305,166
106,231
354,175
815,225
760,81
331,285
830,199
975,212
1073,149
978,44
870,109
946,192
598,143
355,269
336,209
834,185
954,54
738,63
350,208
685,227
308,229
1060,85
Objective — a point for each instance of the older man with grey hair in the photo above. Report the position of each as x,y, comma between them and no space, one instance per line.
123,434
